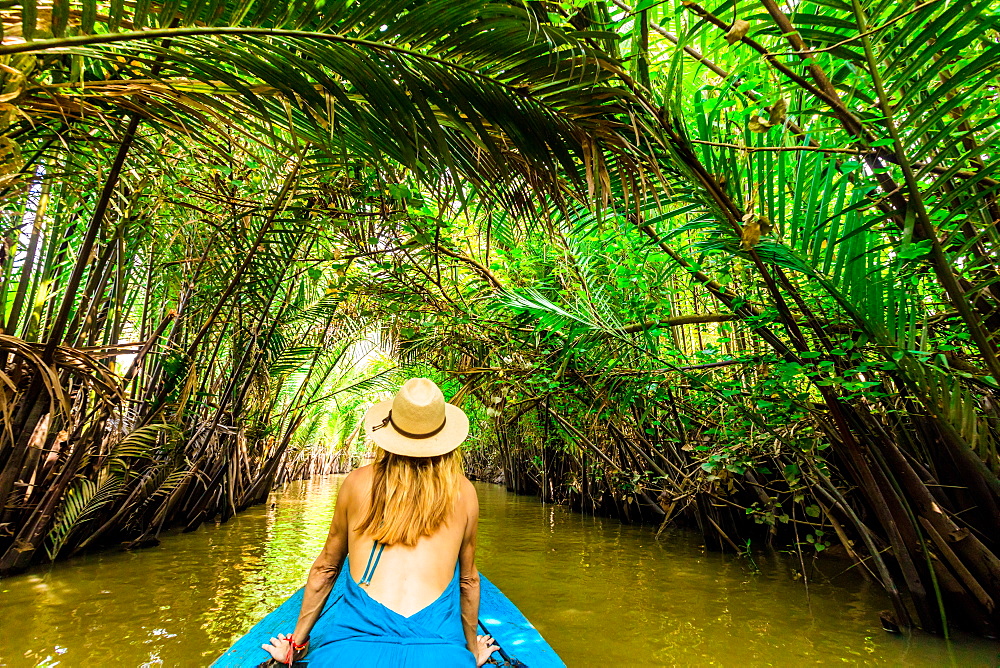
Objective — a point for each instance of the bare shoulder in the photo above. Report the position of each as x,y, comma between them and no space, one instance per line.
466,486
357,482
468,494
360,474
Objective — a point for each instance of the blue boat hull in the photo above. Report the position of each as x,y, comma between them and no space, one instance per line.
509,627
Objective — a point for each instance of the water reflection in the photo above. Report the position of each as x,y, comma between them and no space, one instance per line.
607,594
601,593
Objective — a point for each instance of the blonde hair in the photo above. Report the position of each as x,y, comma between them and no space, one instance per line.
411,496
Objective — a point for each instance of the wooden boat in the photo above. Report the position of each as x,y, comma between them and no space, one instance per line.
516,636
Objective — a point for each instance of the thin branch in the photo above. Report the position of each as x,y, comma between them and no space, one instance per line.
862,35
754,149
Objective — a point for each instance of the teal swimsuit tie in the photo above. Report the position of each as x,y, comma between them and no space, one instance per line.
375,554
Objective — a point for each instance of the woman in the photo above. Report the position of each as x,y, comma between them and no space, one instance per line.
406,526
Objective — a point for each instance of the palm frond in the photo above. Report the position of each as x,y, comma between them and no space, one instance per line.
81,501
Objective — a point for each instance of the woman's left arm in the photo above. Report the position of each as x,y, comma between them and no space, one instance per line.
322,576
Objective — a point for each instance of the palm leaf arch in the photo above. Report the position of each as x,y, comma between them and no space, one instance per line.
506,104
481,89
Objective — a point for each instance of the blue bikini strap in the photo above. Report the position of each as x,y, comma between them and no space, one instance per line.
372,564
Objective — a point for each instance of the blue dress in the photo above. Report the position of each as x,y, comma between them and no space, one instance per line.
356,630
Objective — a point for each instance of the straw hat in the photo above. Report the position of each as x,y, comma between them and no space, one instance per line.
417,422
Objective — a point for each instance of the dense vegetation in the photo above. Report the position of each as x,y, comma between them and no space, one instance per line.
730,265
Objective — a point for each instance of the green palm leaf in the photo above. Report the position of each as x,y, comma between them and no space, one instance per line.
82,500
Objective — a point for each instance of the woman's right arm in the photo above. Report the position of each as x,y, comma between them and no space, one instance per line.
480,646
469,575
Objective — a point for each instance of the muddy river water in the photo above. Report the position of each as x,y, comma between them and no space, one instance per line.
602,594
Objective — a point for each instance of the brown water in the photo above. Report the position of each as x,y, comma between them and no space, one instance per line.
602,594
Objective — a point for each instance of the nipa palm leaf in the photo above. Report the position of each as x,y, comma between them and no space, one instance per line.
80,502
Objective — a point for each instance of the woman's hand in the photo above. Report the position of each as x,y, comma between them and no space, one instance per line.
485,646
280,648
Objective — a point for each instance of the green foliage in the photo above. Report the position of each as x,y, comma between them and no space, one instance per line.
82,501
717,263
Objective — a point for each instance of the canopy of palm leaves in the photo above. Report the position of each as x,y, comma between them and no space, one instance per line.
732,265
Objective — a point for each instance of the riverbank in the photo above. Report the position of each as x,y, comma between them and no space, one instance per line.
602,593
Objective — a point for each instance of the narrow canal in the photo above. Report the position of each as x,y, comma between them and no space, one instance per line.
603,594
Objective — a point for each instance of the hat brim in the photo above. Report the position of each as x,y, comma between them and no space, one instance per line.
455,430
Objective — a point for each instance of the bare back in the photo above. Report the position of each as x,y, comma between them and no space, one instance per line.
409,578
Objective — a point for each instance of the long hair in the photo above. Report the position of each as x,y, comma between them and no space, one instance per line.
411,496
